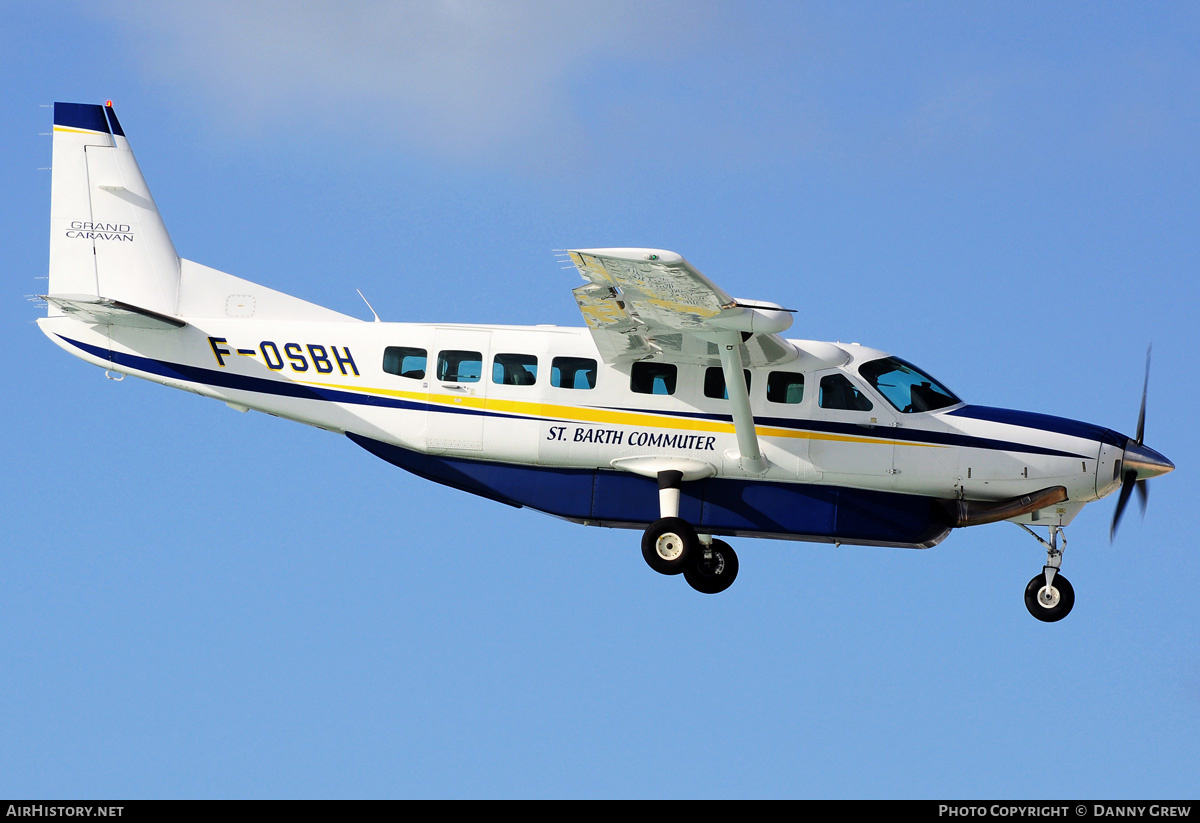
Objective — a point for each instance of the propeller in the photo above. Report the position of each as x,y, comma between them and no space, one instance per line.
1139,463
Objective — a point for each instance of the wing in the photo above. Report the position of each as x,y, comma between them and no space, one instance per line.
647,303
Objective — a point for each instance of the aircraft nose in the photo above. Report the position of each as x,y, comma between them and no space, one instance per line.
1145,461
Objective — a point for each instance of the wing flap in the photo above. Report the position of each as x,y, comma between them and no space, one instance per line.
613,327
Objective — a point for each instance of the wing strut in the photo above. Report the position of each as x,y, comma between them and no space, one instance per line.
749,454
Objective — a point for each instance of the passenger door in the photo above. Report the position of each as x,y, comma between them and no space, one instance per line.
457,390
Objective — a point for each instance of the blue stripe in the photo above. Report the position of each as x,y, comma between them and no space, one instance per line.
284,388
903,435
80,116
1043,422
262,385
906,435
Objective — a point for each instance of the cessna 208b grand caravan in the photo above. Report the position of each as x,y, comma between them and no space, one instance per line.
678,410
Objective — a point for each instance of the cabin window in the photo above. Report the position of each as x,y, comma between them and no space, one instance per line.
785,387
459,366
653,378
573,373
837,392
405,362
714,382
906,387
514,369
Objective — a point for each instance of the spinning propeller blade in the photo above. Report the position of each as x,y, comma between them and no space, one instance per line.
1140,462
1128,481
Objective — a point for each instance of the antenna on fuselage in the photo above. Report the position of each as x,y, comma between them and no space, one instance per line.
369,306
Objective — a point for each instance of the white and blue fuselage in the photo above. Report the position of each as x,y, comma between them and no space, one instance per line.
871,475
678,409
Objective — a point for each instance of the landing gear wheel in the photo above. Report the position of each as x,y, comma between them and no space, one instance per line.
1049,603
715,568
670,545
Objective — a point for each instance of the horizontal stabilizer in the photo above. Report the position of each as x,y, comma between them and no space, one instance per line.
106,312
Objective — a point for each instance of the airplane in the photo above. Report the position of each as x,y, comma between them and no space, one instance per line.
676,409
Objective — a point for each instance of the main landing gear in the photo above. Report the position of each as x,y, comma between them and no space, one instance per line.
1049,596
672,546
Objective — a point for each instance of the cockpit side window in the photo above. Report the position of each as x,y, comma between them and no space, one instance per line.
905,386
837,392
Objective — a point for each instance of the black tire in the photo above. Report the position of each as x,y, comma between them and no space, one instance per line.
714,570
669,545
1062,593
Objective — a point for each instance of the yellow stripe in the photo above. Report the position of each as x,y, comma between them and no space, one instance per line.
79,131
551,411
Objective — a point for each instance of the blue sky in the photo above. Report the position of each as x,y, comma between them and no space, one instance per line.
200,603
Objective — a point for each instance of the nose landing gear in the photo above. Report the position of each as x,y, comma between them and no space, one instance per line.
1049,596
1049,601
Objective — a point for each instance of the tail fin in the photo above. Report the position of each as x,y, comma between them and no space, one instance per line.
107,241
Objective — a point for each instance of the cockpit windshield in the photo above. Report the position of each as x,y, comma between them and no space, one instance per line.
905,386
